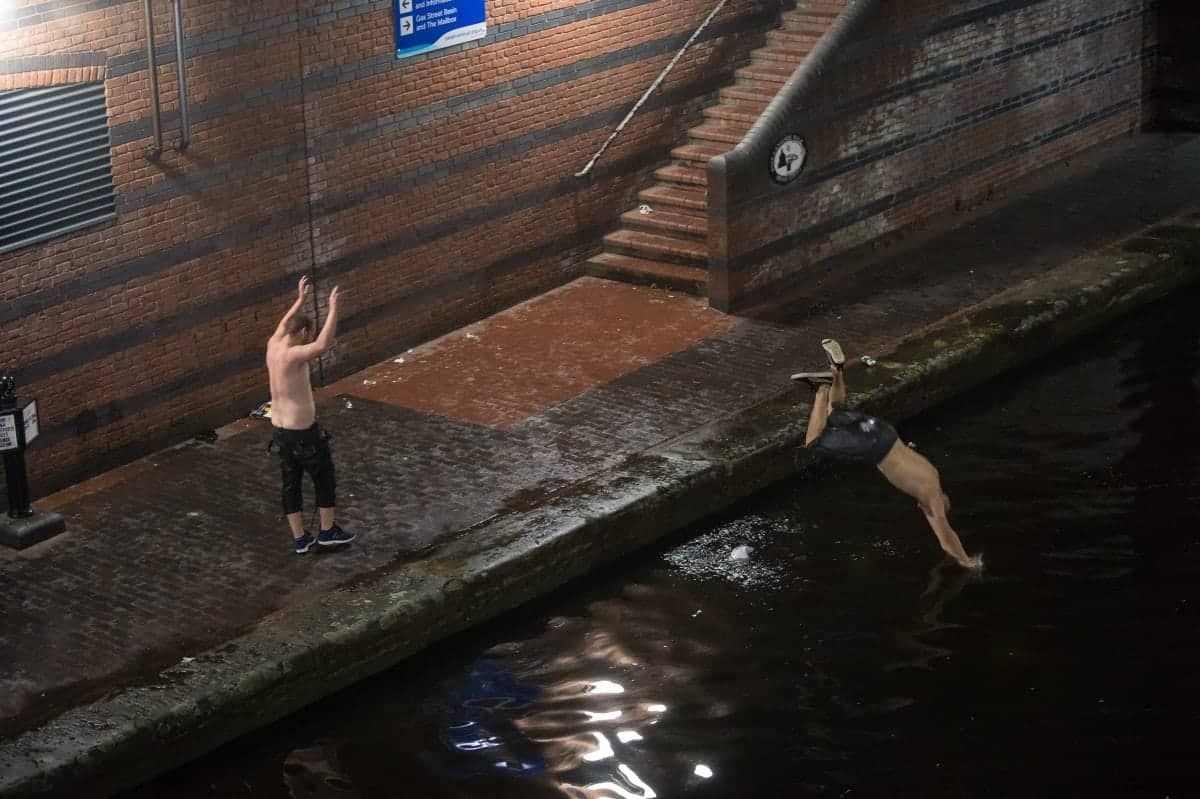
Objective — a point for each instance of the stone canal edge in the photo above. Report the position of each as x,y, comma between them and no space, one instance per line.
290,661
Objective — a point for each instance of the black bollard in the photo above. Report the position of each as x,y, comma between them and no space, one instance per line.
15,476
18,426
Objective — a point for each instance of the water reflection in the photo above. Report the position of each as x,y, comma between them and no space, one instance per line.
611,705
919,645
314,773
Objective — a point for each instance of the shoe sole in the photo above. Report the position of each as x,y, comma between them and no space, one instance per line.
305,550
820,377
341,543
833,351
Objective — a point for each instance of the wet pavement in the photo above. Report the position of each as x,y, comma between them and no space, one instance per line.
843,658
178,554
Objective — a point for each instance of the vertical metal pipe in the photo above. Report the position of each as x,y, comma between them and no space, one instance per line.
185,124
152,68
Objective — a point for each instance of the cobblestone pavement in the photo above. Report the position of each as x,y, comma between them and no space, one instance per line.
183,550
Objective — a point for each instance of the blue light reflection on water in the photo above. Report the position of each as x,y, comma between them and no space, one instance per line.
844,658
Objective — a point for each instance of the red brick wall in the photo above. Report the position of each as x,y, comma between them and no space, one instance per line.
433,189
924,108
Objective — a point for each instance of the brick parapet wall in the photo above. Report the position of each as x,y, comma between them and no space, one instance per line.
914,109
307,132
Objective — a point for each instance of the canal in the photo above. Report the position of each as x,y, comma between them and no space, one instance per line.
845,657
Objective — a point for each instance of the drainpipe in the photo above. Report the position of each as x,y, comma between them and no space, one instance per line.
185,125
152,67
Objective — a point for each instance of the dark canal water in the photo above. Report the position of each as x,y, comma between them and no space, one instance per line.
845,658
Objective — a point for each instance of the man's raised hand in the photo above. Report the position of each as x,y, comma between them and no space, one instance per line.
333,296
303,287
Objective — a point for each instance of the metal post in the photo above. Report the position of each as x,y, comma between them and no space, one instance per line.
18,485
185,125
152,69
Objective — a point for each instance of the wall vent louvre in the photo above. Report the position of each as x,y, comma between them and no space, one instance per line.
55,166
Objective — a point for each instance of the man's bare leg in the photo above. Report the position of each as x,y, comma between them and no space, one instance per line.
916,476
818,416
327,517
837,394
296,522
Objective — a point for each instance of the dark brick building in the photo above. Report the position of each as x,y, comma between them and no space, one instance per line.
437,188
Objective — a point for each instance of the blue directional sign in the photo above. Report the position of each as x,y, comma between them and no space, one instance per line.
424,25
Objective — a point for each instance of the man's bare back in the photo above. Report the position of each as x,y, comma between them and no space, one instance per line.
288,355
292,406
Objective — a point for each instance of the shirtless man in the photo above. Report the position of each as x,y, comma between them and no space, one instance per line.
303,447
847,434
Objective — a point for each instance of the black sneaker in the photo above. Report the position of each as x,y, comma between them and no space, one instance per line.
334,537
833,351
303,543
814,379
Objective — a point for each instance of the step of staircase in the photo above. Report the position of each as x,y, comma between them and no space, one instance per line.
690,279
811,21
713,132
668,223
771,85
657,247
681,175
731,114
699,153
754,99
791,56
670,197
764,73
796,40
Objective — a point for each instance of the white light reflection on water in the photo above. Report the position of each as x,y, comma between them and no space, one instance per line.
603,751
596,687
609,716
620,790
703,771
605,687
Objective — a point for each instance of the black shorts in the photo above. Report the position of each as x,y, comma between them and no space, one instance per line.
303,451
851,435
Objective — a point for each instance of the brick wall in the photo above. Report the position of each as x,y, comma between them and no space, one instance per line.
923,108
433,189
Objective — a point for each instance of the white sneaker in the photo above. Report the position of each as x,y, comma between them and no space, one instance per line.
833,351
814,379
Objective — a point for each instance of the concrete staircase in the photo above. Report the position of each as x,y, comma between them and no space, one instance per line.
668,247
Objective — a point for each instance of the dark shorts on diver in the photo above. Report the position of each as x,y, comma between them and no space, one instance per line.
852,435
303,451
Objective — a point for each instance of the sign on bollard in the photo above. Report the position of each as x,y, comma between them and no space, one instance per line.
8,431
18,426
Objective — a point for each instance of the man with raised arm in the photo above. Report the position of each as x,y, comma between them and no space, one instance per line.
303,446
851,435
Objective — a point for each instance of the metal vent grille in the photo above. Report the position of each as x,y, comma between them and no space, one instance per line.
55,169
